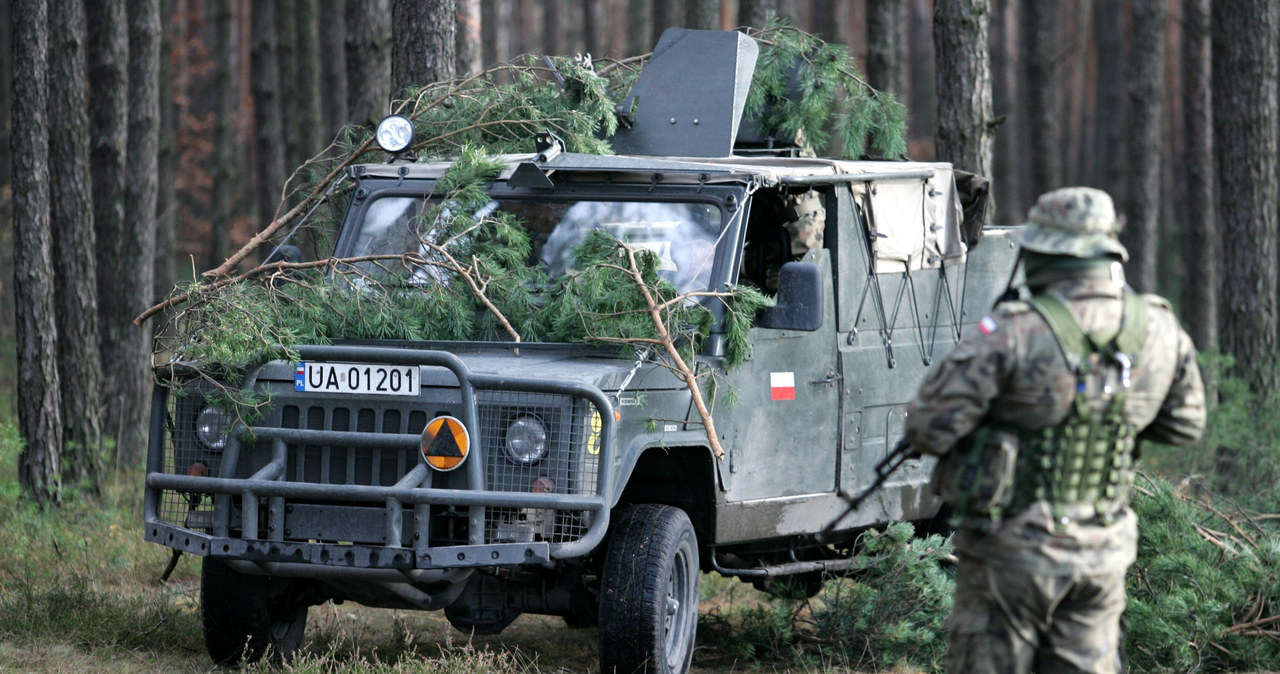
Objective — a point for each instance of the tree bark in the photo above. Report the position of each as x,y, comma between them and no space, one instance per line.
701,14
593,28
139,230
39,406
71,215
964,135
308,122
467,57
165,271
368,60
267,112
333,68
1009,177
553,28
664,16
1201,243
224,173
424,46
886,22
1146,98
756,13
1244,129
108,56
639,27
923,107
1111,168
1041,50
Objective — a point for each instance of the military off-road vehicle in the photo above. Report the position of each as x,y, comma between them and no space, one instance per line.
491,479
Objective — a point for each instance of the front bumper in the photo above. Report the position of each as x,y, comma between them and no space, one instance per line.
361,500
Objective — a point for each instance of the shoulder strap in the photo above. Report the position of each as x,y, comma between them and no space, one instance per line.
1076,345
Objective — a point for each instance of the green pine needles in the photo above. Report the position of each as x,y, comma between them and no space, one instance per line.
803,87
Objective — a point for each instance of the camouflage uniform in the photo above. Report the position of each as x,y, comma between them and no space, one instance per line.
1040,586
806,222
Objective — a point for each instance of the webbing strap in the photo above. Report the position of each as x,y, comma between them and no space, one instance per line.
1077,346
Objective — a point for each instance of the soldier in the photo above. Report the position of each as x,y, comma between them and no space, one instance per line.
1036,416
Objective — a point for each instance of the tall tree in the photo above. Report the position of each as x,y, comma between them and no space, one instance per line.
964,84
593,27
1199,217
665,15
71,215
639,29
1244,137
135,281
368,60
6,75
424,43
268,111
1008,171
702,14
1146,97
39,406
886,22
1040,48
1111,100
553,27
756,13
467,56
225,173
165,271
108,56
307,128
333,67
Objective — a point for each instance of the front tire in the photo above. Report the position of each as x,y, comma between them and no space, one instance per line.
649,592
246,617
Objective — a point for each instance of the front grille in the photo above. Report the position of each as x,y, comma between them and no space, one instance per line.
569,466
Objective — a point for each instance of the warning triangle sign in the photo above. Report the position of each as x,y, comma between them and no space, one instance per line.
444,443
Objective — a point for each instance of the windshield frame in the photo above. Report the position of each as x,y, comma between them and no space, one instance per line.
729,198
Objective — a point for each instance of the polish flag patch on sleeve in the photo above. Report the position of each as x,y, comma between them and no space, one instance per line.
987,325
782,386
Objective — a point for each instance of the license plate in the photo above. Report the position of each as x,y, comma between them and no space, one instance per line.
356,378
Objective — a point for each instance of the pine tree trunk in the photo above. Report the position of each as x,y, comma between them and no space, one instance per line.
166,272
39,407
222,93
140,224
553,27
639,27
1041,51
108,57
333,68
1201,242
71,215
923,107
368,60
886,22
702,14
1244,137
756,13
424,43
6,78
1111,168
1145,139
593,29
467,57
964,135
267,112
1009,170
309,119
665,15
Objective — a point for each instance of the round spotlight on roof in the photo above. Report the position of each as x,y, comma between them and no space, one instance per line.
395,133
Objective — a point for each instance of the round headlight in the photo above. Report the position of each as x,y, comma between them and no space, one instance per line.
526,440
211,429
395,133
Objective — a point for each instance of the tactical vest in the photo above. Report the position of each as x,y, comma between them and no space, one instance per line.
1087,458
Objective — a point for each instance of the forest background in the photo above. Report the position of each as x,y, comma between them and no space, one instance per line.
143,141
172,127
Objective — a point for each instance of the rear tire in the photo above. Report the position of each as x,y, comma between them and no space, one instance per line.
649,592
246,617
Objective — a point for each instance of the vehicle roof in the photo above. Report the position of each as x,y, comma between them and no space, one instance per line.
677,170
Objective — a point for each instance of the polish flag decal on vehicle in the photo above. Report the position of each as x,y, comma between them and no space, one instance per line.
782,386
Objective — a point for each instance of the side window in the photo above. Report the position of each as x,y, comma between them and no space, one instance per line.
783,226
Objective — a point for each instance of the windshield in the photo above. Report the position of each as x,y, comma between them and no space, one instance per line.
682,235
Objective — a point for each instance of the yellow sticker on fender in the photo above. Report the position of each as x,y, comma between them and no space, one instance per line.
445,443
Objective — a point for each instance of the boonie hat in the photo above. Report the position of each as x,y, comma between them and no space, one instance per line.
1074,221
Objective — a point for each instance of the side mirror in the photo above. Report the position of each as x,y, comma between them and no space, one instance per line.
799,300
